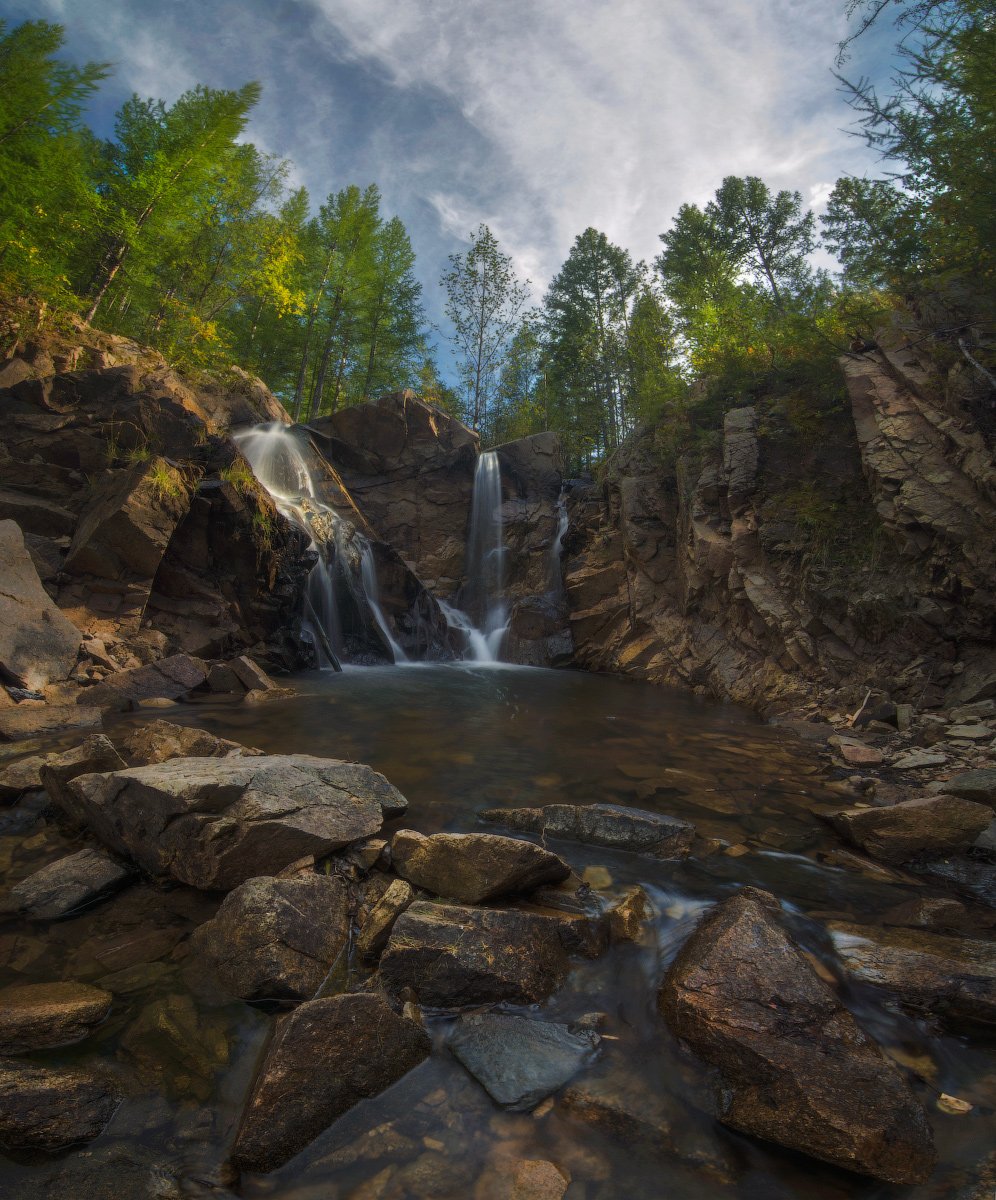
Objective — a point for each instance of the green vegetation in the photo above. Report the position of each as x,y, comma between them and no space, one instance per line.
240,477
165,481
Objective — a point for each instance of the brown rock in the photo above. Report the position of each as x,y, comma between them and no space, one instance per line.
166,679
610,825
63,887
275,939
473,867
162,740
95,753
23,722
325,1057
744,998
36,1016
376,929
452,956
930,826
49,1109
21,776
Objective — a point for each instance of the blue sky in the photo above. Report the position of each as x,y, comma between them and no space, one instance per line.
538,117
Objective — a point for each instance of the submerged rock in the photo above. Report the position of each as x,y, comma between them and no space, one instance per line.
473,867
928,826
166,679
611,825
797,1068
36,1016
325,1057
162,740
47,1109
517,1061
275,939
951,977
215,822
451,956
67,885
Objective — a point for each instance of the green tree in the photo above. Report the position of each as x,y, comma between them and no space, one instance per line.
874,230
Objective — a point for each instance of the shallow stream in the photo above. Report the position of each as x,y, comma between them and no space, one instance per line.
456,740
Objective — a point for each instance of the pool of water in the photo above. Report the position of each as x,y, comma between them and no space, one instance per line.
457,740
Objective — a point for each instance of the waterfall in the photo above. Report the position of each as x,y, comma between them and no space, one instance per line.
557,545
483,620
278,461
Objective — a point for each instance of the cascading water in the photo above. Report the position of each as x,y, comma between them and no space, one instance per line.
557,545
484,620
368,575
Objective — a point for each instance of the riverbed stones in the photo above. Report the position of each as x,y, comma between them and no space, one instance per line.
978,785
796,1067
45,1109
518,1061
453,956
95,753
275,939
21,776
167,679
611,825
162,740
377,926
38,643
37,1016
928,826
67,885
953,978
325,1057
473,867
213,823
23,722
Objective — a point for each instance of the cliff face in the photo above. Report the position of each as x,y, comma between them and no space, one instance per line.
815,552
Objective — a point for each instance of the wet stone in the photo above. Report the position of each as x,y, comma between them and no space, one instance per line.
175,1047
376,928
611,825
68,885
36,1016
48,1109
162,740
518,1061
928,826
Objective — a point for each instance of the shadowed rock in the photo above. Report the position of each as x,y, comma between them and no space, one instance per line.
978,785
36,1016
95,753
452,956
166,680
380,921
215,822
67,885
797,1069
47,1109
473,867
611,825
23,722
928,826
275,938
325,1057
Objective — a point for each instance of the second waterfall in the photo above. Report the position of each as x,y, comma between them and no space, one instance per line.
483,599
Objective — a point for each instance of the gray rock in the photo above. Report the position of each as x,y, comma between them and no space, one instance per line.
275,939
951,977
517,1061
376,929
63,887
915,760
930,825
325,1057
978,785
36,1016
796,1067
47,1109
610,825
167,679
162,740
451,956
473,867
95,753
38,644
24,722
215,822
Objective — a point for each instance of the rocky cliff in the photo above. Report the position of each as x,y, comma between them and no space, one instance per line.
818,548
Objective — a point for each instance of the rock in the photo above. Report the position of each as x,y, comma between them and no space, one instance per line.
38,644
927,912
930,825
65,886
951,977
538,1179
858,754
275,939
23,722
978,785
36,1016
970,733
376,929
95,753
176,1048
162,740
21,776
215,822
325,1057
517,1061
164,680
222,679
628,916
744,998
602,825
473,867
452,956
252,677
916,760
48,1109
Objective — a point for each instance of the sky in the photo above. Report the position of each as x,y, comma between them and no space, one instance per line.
536,117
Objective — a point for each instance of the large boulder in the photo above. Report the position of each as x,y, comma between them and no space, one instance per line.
275,939
36,1016
38,644
473,867
165,680
978,785
325,1057
44,1109
94,753
797,1069
928,826
215,822
162,740
64,887
611,825
951,977
451,956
